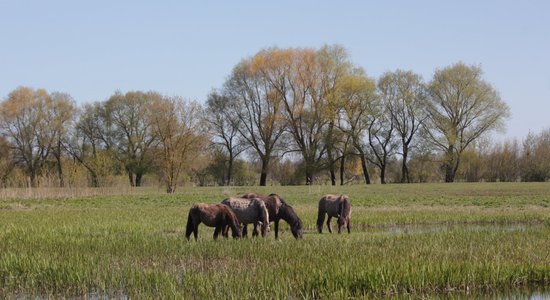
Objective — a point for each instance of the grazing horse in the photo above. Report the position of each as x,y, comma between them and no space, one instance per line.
334,206
213,215
250,211
279,209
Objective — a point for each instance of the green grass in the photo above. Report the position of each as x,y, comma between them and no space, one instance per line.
451,238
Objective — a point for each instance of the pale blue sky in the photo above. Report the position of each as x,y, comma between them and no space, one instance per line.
90,49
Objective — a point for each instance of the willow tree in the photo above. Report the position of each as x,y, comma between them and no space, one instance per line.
461,108
256,103
305,80
179,128
32,121
357,93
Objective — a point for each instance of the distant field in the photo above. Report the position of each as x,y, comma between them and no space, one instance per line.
406,240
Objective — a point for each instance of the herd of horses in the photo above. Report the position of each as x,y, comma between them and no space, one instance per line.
235,213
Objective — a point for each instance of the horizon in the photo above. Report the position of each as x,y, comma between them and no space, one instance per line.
92,50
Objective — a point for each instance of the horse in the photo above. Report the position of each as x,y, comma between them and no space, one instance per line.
249,211
219,216
279,209
334,206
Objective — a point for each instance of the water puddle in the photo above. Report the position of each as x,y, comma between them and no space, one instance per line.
436,228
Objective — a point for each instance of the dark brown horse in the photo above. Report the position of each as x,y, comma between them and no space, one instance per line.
219,216
250,211
334,206
279,209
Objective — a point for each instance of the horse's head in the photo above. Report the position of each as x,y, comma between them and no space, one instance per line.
238,232
265,228
289,215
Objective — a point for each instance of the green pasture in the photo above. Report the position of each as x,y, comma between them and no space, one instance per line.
406,240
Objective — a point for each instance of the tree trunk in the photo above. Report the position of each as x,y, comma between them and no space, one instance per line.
94,179
383,174
229,170
449,165
139,176
309,177
131,178
405,178
32,178
57,154
342,168
364,167
332,174
265,169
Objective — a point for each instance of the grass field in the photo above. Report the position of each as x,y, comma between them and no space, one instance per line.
406,240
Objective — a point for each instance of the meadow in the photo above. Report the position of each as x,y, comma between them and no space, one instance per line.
417,240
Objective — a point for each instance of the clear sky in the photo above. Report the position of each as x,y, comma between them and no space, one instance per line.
89,49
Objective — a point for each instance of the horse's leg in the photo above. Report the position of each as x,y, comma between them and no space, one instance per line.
320,219
245,230
189,228
217,231
328,224
347,225
255,230
196,231
276,229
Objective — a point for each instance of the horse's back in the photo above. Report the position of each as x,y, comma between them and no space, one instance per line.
245,209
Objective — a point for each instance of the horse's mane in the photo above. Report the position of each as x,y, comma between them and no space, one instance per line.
283,202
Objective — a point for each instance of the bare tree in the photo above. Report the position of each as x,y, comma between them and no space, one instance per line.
381,136
224,127
88,143
461,108
404,96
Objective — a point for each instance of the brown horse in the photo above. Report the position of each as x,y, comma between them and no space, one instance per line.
278,209
334,206
213,215
250,211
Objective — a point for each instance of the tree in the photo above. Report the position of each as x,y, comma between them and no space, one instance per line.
224,127
87,143
257,104
381,135
461,107
405,100
33,122
357,94
129,132
7,162
178,125
62,114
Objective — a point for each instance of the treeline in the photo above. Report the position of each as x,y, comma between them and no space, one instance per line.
287,116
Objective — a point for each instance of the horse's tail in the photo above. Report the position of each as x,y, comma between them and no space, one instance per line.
321,215
264,215
191,222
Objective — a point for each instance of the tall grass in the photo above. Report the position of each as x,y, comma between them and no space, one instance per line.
479,237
